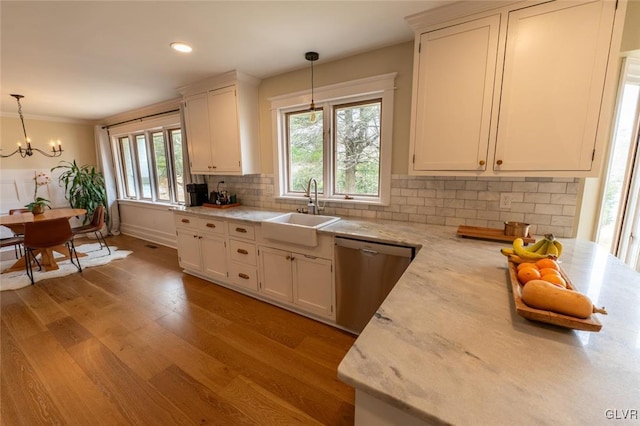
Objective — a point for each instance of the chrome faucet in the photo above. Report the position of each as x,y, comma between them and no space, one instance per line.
317,209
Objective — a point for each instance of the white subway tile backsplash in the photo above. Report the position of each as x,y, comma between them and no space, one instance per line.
525,186
554,187
548,204
537,197
548,209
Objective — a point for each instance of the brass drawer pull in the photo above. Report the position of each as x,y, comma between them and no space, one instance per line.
244,276
241,230
211,225
185,221
242,251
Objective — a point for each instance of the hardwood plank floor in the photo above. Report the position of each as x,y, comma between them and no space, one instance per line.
138,342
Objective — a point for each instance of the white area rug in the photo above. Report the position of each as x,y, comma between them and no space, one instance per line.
95,257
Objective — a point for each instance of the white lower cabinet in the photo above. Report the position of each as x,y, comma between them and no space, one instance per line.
243,270
313,285
300,279
189,250
214,257
276,274
228,253
202,253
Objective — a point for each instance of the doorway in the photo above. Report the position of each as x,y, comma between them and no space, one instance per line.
619,221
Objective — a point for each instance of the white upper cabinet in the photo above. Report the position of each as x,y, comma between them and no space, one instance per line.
554,73
198,137
221,117
512,90
456,70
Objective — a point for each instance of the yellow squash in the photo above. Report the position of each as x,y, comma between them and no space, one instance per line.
543,295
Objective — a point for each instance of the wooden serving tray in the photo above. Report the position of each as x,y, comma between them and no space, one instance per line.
220,206
589,324
492,234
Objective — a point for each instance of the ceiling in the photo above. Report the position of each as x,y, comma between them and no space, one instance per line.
87,60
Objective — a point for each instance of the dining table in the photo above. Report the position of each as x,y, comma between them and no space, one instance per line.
48,261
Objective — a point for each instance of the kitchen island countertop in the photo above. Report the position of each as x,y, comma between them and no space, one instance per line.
446,346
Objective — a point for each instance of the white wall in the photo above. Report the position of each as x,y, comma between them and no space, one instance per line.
148,221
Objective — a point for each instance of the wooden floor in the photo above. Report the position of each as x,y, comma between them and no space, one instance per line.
138,342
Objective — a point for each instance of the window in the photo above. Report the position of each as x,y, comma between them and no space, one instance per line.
126,160
345,145
151,168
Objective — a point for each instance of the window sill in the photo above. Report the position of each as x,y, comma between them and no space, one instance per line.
155,205
323,201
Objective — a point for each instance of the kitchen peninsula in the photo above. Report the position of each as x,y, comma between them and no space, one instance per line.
446,346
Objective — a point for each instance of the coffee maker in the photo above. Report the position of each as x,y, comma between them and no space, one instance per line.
198,193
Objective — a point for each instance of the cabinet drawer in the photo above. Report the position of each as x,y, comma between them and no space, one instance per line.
186,221
241,230
243,252
244,276
211,226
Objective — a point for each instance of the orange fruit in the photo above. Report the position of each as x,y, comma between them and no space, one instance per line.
526,265
549,271
547,263
527,274
555,279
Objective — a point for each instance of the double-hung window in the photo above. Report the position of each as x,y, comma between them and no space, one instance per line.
345,144
150,164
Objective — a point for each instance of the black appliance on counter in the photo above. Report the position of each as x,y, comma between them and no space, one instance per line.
198,193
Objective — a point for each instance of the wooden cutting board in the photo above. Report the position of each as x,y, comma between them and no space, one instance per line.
220,206
567,321
489,234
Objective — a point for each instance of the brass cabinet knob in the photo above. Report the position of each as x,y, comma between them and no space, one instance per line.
499,162
481,162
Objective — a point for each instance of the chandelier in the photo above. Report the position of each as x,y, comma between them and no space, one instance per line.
56,147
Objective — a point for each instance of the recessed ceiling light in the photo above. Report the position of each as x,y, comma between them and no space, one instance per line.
181,47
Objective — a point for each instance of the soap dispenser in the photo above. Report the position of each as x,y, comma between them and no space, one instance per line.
311,208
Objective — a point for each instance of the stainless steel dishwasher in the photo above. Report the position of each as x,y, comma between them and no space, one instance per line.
365,274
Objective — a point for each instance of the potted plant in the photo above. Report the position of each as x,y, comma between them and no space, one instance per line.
38,204
84,187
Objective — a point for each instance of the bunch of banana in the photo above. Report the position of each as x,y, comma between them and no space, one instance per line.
547,247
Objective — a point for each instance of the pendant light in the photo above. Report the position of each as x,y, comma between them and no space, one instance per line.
312,57
56,150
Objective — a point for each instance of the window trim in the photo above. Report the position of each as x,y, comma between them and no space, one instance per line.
165,125
370,88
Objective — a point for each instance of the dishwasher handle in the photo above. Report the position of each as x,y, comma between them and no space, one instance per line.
370,248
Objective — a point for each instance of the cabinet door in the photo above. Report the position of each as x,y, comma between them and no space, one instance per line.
189,250
198,137
554,73
313,284
223,126
454,94
275,277
214,257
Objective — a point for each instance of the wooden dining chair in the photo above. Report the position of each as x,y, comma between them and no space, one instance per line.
96,225
15,241
47,234
18,230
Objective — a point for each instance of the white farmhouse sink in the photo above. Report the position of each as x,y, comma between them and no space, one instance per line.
296,228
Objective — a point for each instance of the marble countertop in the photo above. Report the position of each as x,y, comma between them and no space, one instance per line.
448,346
